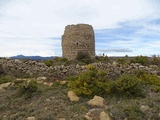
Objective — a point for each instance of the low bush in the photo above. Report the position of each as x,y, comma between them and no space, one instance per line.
28,89
102,58
5,79
129,85
84,57
89,83
48,62
144,60
149,79
91,67
134,113
122,61
155,60
56,61
60,59
96,82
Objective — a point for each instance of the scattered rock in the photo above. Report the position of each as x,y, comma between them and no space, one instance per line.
144,108
48,83
93,110
96,101
17,61
87,117
72,96
47,100
34,68
62,119
155,67
31,118
64,70
5,85
114,64
159,115
77,66
63,82
154,72
90,116
104,116
42,78
2,90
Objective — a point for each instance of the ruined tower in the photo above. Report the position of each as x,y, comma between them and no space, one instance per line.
76,39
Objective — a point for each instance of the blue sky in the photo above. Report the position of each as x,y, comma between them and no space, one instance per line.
122,27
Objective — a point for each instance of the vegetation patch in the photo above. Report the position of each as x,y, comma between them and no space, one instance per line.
129,111
144,60
96,82
125,95
89,83
28,89
149,79
5,79
126,86
83,57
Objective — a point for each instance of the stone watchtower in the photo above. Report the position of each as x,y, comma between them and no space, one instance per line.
78,39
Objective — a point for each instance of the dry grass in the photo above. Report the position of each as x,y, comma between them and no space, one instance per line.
53,104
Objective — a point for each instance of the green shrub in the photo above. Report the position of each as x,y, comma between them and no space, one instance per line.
95,82
149,79
134,113
56,61
102,58
89,83
91,67
5,79
48,62
60,59
28,89
129,85
83,57
122,61
140,59
155,60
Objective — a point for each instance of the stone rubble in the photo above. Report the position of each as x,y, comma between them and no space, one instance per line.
27,68
38,69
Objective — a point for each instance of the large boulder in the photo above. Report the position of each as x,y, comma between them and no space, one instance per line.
97,101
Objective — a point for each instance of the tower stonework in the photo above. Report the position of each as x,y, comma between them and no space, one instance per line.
78,38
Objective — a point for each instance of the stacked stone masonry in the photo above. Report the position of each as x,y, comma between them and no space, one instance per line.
34,68
78,38
29,68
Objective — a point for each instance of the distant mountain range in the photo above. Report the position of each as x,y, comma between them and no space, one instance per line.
32,57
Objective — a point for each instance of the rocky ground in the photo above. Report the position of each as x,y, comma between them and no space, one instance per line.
53,101
27,96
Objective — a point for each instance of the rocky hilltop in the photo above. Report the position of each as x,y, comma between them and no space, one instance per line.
33,90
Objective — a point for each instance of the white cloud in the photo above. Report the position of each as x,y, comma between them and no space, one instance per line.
37,19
